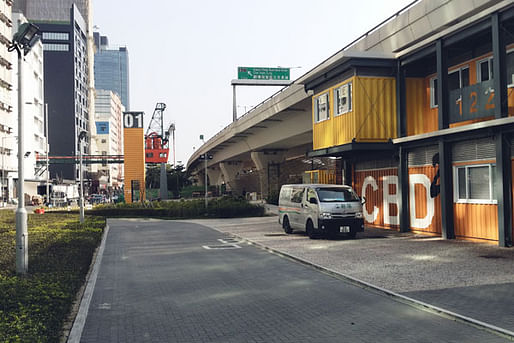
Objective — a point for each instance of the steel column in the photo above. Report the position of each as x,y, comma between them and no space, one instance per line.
403,190
401,112
446,182
499,67
442,83
504,189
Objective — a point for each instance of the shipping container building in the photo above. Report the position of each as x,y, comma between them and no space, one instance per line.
424,128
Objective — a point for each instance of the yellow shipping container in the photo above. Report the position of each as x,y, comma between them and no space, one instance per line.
371,114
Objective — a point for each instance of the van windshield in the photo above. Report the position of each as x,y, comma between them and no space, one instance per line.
336,194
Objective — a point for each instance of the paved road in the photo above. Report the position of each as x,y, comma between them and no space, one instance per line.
157,283
472,279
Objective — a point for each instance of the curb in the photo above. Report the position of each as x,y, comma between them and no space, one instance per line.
80,318
504,333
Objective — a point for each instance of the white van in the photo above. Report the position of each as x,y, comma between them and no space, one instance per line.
320,209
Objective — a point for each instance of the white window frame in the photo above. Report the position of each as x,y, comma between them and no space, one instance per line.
459,70
433,96
479,73
467,200
317,117
510,81
349,96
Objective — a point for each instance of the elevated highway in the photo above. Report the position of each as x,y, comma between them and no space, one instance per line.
250,150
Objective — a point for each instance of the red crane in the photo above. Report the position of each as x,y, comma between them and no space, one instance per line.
156,141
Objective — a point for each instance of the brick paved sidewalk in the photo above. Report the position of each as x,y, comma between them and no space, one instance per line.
471,279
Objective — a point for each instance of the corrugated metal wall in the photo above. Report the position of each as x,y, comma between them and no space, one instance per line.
134,157
477,221
420,117
372,119
375,107
372,185
425,211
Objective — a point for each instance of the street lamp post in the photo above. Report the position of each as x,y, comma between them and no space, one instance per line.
82,135
23,41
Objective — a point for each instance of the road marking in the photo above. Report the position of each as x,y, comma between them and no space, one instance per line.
221,247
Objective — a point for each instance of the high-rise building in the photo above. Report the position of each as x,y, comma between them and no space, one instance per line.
33,111
52,10
107,139
9,162
112,69
68,63
66,88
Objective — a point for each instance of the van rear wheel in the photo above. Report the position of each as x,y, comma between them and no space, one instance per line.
309,228
286,226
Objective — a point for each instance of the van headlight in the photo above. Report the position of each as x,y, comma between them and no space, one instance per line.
358,215
326,215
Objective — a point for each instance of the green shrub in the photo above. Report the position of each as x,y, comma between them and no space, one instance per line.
187,192
217,208
33,308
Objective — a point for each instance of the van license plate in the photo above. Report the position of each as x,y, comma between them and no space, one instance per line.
344,229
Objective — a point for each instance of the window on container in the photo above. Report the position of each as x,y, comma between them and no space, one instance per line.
475,184
321,108
433,92
485,69
510,68
343,99
458,78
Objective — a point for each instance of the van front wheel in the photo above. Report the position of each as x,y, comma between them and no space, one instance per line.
309,228
286,226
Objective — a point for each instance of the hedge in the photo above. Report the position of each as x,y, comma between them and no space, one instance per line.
217,208
33,308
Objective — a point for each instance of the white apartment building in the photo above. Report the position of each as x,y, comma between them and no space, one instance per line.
33,111
7,112
107,138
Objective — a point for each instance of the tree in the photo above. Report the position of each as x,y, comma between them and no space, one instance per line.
153,173
176,177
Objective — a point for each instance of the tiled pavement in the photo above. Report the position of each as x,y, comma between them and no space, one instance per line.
157,283
471,279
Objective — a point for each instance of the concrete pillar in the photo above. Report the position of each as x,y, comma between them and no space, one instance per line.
230,172
214,177
200,178
268,166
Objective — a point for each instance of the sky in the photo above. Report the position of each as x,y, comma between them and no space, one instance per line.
185,53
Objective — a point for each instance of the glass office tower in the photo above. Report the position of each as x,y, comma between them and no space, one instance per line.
112,69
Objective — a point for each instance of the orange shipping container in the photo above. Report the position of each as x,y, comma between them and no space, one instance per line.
379,187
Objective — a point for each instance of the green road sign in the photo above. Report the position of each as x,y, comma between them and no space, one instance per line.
257,73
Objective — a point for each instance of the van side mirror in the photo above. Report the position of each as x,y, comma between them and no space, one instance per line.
313,201
363,200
